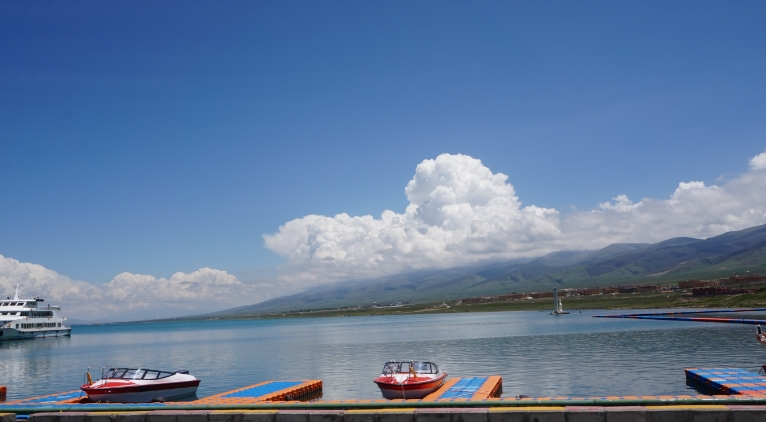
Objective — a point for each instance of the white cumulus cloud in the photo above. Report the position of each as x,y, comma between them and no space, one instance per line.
758,162
460,213
130,296
36,279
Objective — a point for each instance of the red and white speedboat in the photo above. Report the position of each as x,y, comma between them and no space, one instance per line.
127,385
409,380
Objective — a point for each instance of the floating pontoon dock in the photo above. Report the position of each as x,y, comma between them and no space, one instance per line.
268,391
468,389
471,399
729,381
679,316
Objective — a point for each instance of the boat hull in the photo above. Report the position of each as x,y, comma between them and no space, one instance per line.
390,389
142,393
14,334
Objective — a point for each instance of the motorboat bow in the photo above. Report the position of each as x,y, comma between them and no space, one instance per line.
128,385
409,380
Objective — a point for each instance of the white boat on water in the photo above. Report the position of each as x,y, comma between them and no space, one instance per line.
127,385
409,380
26,318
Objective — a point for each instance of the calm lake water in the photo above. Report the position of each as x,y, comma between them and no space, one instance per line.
535,353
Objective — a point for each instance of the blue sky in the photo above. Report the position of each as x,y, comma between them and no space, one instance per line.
158,137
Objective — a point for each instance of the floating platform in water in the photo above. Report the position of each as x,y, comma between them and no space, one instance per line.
67,397
729,381
736,386
268,391
677,316
468,389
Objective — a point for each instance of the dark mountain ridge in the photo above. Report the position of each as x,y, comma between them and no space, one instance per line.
624,263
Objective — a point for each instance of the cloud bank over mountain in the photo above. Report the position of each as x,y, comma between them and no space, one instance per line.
461,213
129,296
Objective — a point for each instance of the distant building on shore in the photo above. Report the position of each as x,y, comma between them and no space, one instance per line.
749,283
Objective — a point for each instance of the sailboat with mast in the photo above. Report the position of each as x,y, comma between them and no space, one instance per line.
558,308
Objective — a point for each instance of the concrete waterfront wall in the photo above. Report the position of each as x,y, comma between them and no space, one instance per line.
687,413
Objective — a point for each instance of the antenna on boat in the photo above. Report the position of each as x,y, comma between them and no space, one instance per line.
16,296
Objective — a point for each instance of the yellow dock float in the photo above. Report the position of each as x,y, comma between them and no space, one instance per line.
267,391
468,389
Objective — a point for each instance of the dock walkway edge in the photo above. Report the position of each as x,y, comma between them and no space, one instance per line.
702,413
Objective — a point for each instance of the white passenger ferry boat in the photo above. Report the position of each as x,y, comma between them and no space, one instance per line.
26,318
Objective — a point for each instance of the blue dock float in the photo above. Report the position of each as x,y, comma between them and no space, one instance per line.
729,381
65,397
268,391
465,388
468,388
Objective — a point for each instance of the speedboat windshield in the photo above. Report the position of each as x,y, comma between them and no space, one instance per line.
136,374
408,367
115,373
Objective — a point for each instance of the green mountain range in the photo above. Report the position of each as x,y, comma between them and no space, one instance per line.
626,263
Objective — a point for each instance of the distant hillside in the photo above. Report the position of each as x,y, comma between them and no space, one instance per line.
626,263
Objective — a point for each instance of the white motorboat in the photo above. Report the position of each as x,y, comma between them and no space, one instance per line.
127,385
26,319
409,380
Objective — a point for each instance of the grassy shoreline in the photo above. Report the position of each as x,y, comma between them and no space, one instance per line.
608,302
653,300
